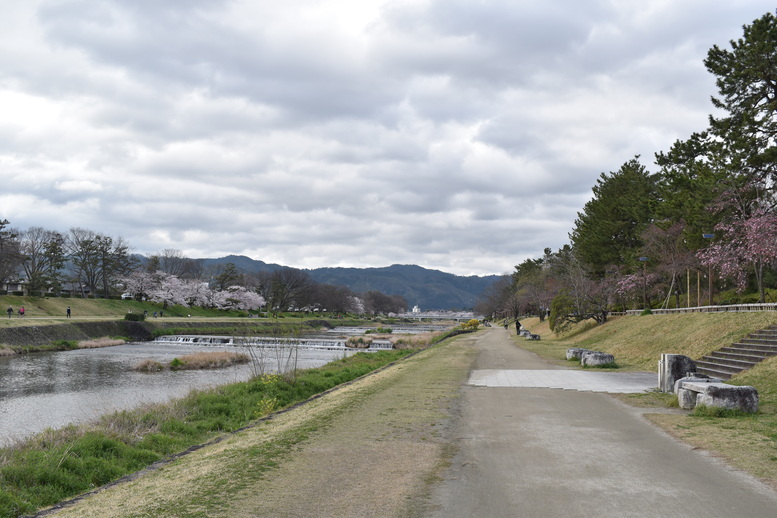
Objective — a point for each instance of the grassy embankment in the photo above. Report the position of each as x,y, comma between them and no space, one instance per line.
53,310
748,442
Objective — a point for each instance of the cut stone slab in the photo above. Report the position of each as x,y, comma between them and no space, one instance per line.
672,367
576,353
595,358
729,396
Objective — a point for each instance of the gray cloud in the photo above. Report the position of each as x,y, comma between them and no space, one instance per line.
457,135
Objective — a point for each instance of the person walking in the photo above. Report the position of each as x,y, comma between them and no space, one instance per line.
21,312
10,311
517,327
68,312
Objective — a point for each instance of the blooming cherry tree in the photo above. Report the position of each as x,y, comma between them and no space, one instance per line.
745,243
237,297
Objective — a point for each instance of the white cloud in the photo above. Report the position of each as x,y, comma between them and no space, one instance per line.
452,134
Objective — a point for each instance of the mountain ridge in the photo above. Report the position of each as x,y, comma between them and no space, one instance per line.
427,288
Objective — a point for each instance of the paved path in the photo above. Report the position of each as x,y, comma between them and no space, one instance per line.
535,452
586,381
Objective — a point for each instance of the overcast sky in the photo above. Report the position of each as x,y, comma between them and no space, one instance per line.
460,135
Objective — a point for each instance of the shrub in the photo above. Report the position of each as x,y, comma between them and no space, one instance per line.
65,344
646,311
135,317
358,342
471,324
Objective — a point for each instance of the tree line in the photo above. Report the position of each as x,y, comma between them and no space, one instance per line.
86,263
705,222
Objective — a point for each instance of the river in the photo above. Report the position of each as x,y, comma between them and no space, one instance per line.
53,389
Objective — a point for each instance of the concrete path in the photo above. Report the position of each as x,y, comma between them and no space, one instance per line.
536,452
587,381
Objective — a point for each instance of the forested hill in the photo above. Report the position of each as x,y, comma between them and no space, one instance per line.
428,289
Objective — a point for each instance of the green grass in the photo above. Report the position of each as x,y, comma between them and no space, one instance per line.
56,465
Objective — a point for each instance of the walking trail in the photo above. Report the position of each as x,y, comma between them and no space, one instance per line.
540,452
469,428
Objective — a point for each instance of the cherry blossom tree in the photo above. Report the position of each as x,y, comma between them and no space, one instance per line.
356,305
168,290
237,297
138,284
747,243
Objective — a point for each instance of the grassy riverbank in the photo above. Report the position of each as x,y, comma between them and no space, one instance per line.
59,464
748,442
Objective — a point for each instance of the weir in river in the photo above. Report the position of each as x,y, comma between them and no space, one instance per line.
264,341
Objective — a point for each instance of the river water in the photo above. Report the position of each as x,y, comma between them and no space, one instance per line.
53,389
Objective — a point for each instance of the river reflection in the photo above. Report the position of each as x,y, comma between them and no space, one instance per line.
50,390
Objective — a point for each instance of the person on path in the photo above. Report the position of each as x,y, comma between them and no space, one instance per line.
21,312
10,311
517,327
68,312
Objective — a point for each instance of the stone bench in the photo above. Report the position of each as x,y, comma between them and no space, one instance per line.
712,392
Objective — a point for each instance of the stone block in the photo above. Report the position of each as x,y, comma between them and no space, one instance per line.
729,396
575,353
596,358
671,368
687,398
696,380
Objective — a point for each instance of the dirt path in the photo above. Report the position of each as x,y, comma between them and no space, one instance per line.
373,448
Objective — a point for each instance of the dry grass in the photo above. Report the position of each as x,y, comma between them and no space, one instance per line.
4,351
99,342
212,360
149,365
206,360
417,341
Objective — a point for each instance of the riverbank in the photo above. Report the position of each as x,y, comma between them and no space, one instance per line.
371,448
25,338
58,464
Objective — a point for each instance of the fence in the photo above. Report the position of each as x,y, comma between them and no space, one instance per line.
734,308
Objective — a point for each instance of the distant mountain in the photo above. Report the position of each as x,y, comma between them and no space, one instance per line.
428,289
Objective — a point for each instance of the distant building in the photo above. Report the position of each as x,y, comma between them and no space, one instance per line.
416,309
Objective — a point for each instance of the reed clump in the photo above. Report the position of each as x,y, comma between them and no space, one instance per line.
196,361
100,342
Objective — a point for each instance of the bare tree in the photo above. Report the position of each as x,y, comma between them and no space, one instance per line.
172,261
10,255
43,254
289,286
97,260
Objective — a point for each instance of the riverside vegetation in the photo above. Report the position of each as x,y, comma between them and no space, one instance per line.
746,441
